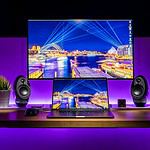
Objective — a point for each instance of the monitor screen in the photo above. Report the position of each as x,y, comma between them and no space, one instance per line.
80,93
80,49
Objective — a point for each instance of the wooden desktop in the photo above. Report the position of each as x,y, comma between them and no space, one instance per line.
123,117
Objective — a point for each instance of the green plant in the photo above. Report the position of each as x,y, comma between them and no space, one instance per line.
4,83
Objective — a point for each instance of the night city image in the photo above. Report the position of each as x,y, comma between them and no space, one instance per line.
80,49
80,93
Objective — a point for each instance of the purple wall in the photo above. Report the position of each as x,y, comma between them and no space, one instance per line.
13,62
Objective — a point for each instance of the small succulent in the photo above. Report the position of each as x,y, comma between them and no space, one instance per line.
4,83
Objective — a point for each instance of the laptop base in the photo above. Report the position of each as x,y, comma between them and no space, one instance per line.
58,114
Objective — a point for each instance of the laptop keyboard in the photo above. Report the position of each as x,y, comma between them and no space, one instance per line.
81,110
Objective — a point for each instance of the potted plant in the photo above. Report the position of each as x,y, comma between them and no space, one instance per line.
5,89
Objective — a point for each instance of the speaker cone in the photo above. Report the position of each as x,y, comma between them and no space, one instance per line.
23,91
138,90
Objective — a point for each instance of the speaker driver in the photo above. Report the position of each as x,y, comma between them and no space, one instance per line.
138,90
23,91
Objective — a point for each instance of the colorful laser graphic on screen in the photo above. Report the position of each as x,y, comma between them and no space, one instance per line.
80,49
80,94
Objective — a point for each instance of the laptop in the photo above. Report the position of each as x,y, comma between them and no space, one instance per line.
80,98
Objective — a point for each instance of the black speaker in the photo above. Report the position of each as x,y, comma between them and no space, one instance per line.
22,91
139,91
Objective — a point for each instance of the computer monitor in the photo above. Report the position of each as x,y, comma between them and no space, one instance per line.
80,93
80,49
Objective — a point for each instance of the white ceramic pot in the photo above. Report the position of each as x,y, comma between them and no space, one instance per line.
4,98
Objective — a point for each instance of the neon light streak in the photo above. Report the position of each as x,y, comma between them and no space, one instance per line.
73,85
105,31
114,32
63,33
99,33
54,32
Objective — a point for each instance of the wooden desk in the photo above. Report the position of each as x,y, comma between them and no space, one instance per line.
123,118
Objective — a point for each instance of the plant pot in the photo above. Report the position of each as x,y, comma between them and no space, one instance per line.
4,98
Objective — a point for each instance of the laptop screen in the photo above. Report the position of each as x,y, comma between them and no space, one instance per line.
80,93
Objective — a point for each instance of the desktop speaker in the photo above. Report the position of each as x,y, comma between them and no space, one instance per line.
139,91
22,91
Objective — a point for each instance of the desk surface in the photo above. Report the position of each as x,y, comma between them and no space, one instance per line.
123,118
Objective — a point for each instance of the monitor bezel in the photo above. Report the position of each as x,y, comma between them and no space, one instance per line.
116,78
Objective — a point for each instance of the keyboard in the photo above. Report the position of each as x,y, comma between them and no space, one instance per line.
81,110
